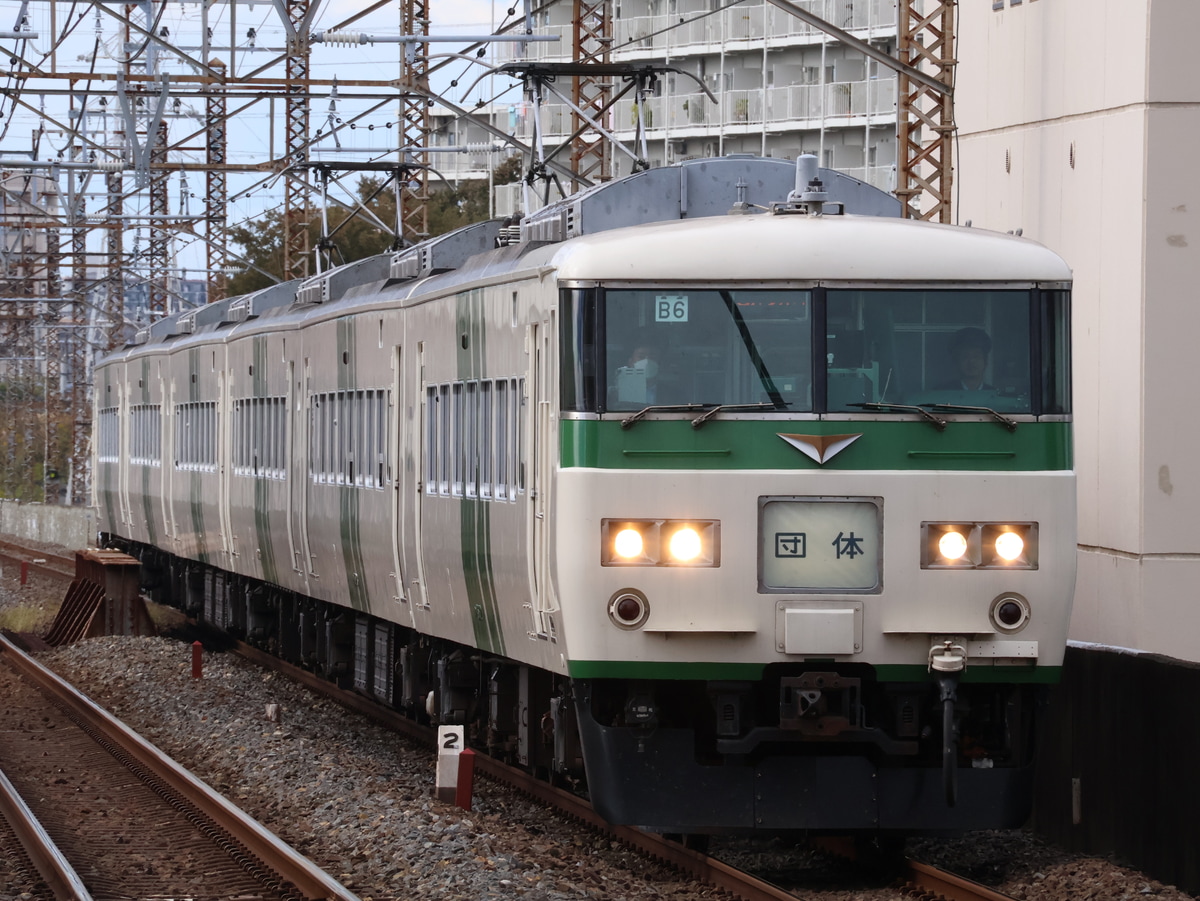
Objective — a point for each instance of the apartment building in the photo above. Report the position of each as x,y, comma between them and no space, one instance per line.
782,87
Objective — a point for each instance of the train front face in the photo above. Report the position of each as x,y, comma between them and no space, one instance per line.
815,546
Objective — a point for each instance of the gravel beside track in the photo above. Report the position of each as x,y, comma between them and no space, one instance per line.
357,800
122,837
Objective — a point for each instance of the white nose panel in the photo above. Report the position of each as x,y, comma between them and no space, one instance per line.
821,630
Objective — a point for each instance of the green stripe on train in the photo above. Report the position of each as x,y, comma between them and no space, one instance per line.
348,498
636,669
756,444
476,521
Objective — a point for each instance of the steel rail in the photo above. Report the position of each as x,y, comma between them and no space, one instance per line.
297,870
51,864
48,564
699,866
929,879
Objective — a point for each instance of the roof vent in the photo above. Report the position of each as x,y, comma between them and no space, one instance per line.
315,290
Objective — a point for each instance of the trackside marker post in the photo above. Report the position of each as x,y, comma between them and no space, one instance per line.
466,779
450,746
197,660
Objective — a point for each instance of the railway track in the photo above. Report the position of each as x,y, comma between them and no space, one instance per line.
45,563
919,880
132,822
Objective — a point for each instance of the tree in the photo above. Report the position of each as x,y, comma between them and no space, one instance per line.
356,237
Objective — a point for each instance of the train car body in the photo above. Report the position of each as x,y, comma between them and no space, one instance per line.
713,510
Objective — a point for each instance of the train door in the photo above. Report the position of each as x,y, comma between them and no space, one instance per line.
123,467
423,418
170,455
164,452
225,461
298,480
405,428
541,398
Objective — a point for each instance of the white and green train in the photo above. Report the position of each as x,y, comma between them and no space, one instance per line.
754,513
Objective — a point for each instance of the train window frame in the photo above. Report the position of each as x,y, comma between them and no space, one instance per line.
349,438
196,433
456,432
259,429
145,435
108,437
472,439
587,348
470,448
1053,349
1029,349
432,453
486,440
500,488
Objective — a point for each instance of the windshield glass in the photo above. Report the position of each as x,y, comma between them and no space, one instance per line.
668,347
952,347
836,350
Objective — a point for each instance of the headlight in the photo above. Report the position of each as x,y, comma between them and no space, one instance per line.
660,542
684,545
629,544
979,545
949,544
952,545
1010,545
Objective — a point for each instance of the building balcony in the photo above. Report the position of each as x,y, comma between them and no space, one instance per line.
788,108
742,27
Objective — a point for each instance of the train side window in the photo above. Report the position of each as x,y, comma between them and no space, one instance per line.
486,447
281,414
315,433
109,436
354,473
470,439
256,440
433,422
382,405
444,462
456,422
502,457
145,436
519,432
342,428
1055,352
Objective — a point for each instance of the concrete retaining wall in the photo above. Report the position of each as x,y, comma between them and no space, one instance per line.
70,527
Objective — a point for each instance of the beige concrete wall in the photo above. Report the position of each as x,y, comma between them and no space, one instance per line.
1079,123
72,527
1171,471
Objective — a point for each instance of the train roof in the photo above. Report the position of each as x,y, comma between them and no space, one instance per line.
808,248
702,220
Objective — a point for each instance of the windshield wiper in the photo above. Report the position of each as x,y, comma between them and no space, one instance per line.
663,408
709,414
1010,424
939,424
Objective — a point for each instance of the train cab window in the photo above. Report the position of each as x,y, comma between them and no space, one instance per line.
676,346
950,347
1055,357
